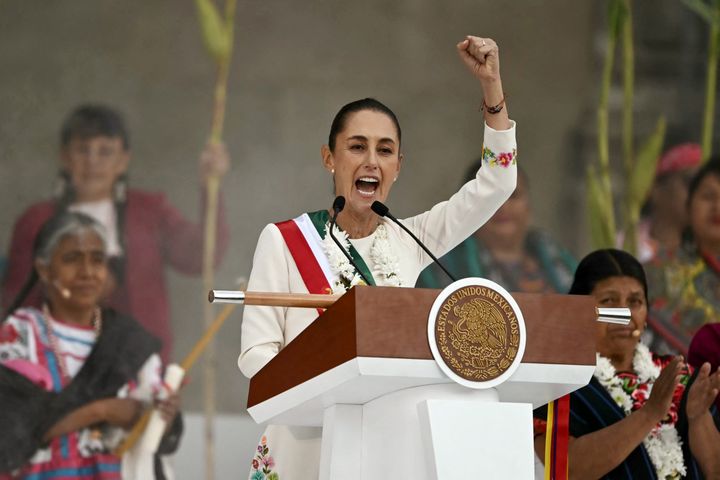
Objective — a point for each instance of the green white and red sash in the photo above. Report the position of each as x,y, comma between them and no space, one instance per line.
304,238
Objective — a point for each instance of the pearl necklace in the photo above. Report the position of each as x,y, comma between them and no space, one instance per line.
53,341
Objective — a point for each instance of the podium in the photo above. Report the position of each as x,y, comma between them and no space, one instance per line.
364,371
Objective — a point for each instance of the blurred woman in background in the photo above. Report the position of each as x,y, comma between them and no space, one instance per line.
73,376
685,283
508,250
145,233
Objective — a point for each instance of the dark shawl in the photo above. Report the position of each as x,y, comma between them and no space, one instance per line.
592,409
28,411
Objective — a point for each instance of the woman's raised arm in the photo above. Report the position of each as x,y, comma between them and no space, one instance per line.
482,57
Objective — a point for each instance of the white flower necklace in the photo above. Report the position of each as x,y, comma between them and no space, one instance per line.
663,443
385,262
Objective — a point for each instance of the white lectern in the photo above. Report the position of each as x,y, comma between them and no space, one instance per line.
365,373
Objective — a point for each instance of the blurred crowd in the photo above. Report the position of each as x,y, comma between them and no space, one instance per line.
678,235
654,392
86,305
47,281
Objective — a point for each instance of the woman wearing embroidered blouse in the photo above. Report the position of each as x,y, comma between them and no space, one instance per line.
643,416
363,157
685,283
73,375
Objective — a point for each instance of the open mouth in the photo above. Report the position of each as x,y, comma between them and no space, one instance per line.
367,186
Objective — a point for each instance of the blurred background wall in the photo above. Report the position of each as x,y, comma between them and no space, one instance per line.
295,64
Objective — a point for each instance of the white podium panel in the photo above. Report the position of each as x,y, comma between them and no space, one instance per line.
342,440
494,440
386,437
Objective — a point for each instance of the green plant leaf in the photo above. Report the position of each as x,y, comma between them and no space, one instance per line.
214,30
646,160
616,16
701,8
639,183
599,212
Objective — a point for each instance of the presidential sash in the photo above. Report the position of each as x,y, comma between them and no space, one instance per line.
304,238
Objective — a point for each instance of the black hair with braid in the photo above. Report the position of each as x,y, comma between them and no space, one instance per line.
603,264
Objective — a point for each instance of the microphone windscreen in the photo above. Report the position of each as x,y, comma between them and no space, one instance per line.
379,208
338,204
64,292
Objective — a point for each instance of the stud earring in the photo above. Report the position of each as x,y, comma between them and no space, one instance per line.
395,179
332,171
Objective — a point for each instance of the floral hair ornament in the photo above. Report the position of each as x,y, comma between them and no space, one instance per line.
680,157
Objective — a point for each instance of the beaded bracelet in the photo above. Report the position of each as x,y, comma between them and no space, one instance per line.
495,108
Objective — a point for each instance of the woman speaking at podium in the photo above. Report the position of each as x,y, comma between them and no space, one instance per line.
364,158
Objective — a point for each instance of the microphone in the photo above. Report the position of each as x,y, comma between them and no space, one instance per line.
384,211
64,292
338,205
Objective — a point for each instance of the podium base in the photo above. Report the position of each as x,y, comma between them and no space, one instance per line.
433,432
464,440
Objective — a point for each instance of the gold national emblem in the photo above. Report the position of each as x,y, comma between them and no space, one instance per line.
477,333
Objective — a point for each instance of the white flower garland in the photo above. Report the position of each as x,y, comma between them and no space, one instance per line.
385,262
663,443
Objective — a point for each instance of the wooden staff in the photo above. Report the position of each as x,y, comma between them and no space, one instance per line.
186,364
218,38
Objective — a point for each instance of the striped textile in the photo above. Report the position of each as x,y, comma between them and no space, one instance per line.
592,409
123,364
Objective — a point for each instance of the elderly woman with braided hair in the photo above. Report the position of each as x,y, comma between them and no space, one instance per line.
73,376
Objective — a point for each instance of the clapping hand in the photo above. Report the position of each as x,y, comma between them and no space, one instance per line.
663,389
481,56
702,392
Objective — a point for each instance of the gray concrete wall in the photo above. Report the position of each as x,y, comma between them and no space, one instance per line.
295,64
